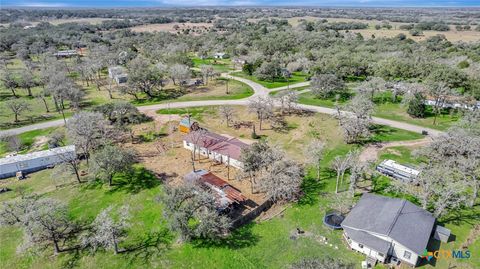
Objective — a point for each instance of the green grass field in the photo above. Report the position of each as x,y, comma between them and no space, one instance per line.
28,139
391,111
220,65
280,82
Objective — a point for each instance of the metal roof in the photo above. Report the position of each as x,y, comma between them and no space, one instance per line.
393,164
226,146
37,154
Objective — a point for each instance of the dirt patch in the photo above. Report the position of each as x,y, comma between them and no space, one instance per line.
370,153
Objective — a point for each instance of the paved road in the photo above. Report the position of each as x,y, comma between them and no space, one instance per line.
259,91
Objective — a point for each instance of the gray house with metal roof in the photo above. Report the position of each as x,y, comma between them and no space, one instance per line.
35,161
388,230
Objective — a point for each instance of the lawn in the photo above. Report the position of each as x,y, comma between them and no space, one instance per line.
395,111
220,65
298,89
28,140
279,82
388,110
400,154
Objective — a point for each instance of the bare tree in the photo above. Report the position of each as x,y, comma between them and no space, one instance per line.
88,130
356,121
313,263
372,86
314,154
288,100
9,82
341,165
262,107
14,143
197,139
282,181
27,81
257,159
110,160
179,73
192,212
439,91
108,229
227,113
324,85
17,106
44,221
207,72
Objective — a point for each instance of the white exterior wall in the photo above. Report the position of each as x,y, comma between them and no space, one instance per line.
399,251
29,165
366,250
214,155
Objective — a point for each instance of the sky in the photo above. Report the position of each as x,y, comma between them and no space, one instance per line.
187,3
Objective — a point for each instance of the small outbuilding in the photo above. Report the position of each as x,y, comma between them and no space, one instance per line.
187,125
221,55
118,74
226,196
31,162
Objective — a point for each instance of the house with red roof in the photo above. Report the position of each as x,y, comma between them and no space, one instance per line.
217,147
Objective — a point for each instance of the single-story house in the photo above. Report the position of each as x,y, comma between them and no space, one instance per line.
393,169
388,230
217,147
221,55
226,196
35,161
118,74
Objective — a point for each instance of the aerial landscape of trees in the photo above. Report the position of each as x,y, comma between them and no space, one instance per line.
322,98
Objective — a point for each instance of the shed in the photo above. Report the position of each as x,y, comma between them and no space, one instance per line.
35,161
225,194
187,124
442,234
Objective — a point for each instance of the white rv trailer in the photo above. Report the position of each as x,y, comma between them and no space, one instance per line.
35,161
393,169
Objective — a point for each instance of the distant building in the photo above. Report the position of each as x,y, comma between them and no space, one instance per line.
472,105
221,55
118,74
65,53
226,196
389,230
393,169
217,147
35,161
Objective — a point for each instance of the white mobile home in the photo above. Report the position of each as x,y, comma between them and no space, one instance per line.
35,161
393,169
388,230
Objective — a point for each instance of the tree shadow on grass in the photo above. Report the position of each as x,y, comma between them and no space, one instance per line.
311,187
135,181
239,238
146,248
470,215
